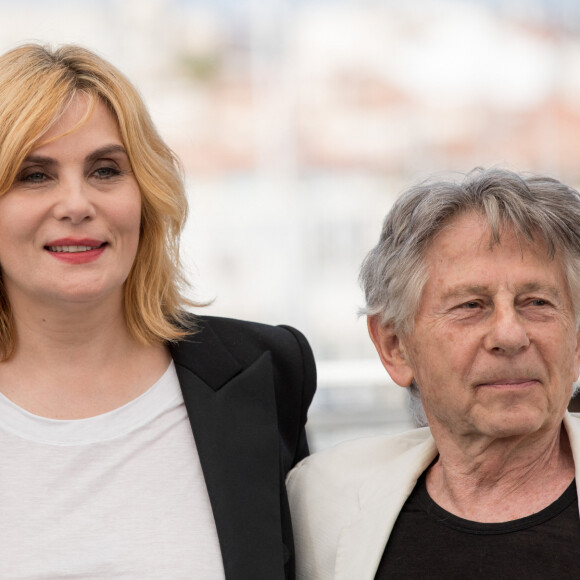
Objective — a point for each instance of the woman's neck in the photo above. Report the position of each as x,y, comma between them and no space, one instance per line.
78,362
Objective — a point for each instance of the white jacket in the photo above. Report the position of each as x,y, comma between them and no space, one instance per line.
345,501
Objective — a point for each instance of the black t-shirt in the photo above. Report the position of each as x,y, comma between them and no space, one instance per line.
429,542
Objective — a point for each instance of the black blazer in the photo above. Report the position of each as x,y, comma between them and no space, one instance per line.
247,388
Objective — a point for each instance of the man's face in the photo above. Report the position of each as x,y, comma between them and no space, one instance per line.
494,348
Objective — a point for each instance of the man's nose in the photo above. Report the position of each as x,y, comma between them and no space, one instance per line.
73,201
507,333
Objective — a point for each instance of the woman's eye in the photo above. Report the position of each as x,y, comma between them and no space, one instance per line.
33,177
106,172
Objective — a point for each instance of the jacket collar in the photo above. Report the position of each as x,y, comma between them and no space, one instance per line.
232,411
206,356
381,498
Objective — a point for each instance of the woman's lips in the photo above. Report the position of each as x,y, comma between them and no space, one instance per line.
75,250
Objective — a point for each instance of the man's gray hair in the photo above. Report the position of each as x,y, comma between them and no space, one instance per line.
536,207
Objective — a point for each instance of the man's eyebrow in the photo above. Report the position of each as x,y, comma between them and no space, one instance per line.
537,286
460,291
464,290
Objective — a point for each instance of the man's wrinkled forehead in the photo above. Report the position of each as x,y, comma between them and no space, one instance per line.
491,233
464,259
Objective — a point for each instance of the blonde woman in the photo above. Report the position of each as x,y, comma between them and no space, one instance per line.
136,441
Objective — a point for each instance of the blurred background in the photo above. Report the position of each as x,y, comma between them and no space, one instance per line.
299,121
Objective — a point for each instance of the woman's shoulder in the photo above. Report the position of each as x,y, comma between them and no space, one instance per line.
234,330
214,340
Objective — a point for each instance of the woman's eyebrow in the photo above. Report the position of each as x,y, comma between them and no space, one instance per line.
104,151
40,159
100,152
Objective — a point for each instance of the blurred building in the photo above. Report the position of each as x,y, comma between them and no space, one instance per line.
299,121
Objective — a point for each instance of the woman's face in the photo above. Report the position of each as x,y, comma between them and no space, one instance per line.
69,226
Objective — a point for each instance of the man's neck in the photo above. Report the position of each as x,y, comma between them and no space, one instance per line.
497,481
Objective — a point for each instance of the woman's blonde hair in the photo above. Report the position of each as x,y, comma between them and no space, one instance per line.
36,85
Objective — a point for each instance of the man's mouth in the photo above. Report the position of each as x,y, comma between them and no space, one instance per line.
507,383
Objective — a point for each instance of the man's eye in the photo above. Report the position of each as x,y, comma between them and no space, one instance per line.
470,305
538,302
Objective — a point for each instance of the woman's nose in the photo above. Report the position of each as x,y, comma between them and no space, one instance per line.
73,201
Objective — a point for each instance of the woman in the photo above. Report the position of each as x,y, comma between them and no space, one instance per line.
136,441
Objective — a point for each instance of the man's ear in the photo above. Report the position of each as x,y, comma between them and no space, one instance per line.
391,351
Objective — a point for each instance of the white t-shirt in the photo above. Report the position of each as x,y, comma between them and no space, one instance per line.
119,495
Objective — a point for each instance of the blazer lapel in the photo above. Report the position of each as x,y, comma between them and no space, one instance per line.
362,543
233,416
572,426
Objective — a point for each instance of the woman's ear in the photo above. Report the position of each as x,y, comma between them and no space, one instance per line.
391,351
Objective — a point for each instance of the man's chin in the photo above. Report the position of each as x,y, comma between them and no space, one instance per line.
517,422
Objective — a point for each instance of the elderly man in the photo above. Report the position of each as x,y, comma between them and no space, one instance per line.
473,300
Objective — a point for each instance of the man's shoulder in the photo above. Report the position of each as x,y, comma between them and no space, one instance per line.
348,465
572,425
330,489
